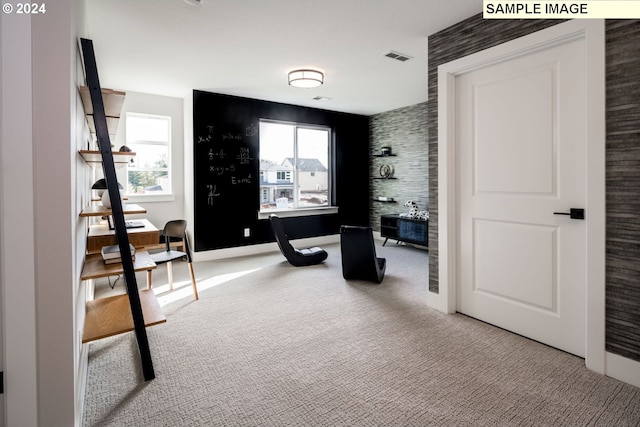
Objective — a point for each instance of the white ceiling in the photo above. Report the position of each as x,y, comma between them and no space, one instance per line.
246,47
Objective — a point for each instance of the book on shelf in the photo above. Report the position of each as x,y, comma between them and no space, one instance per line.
112,252
117,260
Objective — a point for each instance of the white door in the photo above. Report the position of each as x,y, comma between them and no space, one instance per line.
521,156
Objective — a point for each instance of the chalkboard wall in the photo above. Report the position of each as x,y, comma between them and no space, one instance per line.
227,177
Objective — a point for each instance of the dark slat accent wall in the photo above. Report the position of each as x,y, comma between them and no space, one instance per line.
405,131
623,188
622,157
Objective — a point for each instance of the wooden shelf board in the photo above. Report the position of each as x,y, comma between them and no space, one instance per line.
94,156
146,237
102,229
98,210
112,100
110,316
99,199
94,267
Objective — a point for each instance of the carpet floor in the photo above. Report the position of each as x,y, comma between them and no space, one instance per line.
269,344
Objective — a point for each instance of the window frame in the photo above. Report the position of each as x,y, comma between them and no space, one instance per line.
330,207
152,197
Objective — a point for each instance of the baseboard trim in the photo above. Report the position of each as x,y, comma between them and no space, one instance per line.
437,302
623,369
81,384
262,248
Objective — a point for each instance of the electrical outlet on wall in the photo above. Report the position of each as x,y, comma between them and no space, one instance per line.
247,232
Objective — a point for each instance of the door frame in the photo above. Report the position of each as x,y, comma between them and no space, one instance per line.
592,31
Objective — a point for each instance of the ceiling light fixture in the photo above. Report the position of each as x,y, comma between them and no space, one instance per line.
306,78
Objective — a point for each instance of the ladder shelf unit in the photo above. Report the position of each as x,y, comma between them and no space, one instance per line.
128,310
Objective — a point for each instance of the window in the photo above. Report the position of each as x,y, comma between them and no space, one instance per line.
294,166
149,137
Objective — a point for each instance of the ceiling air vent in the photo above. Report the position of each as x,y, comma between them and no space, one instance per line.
398,56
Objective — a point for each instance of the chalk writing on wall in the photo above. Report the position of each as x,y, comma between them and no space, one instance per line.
244,157
212,194
241,180
220,154
225,157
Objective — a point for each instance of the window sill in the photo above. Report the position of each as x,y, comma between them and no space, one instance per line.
150,198
285,213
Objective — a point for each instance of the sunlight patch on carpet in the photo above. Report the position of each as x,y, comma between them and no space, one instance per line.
182,289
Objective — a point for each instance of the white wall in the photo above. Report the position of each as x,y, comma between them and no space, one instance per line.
189,209
160,209
80,196
56,222
40,267
40,228
16,225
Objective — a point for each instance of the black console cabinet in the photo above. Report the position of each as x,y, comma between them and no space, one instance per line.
404,229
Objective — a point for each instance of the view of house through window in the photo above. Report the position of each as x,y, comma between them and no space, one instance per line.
149,137
294,166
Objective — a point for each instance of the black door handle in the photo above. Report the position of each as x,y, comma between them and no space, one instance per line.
573,213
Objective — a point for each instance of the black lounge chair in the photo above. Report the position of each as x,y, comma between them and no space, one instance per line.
359,260
297,257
